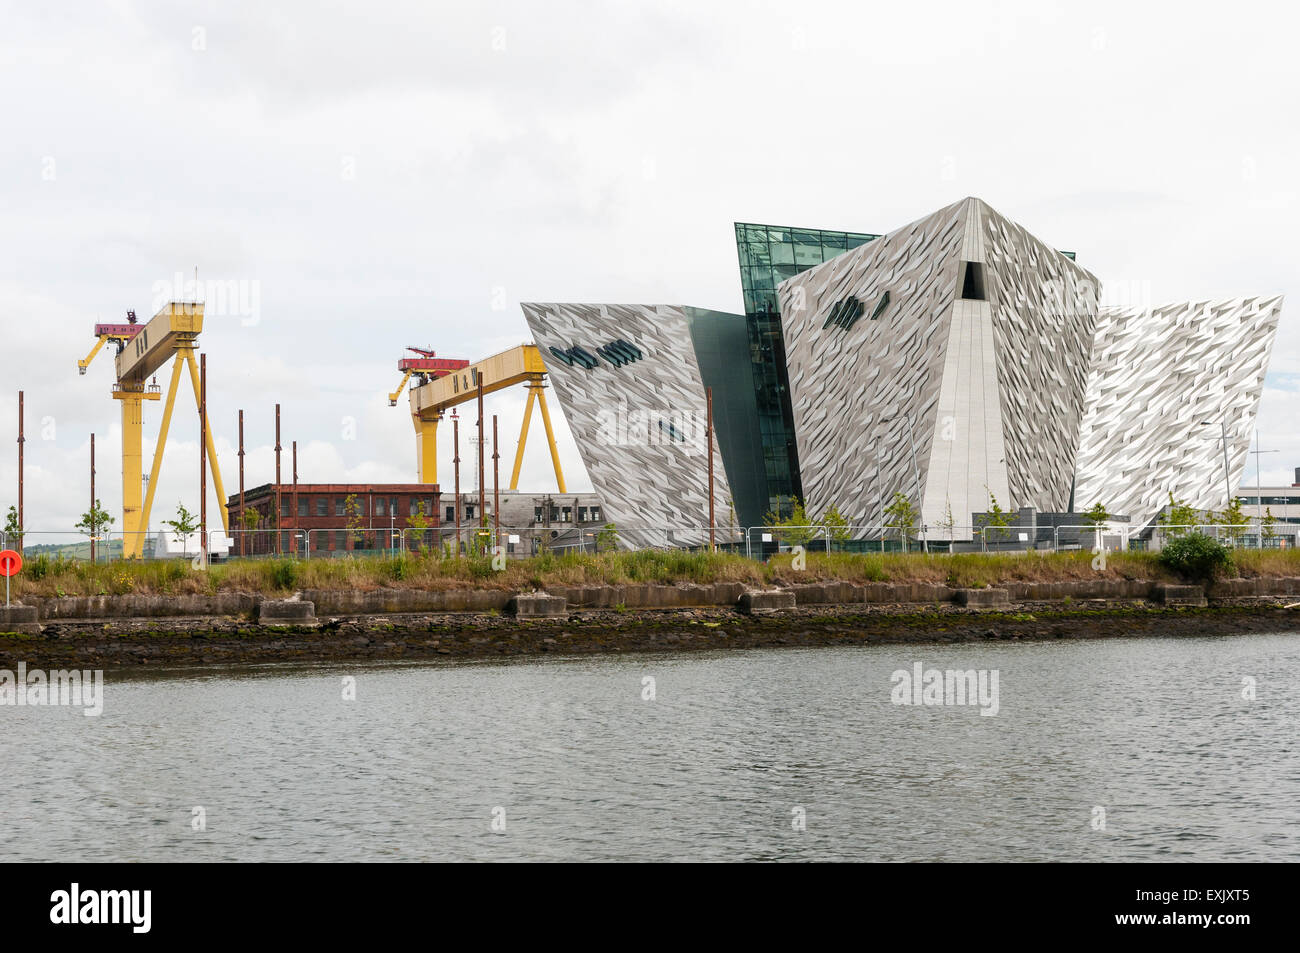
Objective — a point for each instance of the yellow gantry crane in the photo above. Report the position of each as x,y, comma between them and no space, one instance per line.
441,387
172,334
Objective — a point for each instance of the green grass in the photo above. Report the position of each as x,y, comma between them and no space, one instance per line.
47,575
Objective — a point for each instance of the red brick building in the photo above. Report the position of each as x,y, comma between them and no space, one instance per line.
332,518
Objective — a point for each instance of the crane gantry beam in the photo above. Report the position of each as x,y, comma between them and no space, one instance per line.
433,398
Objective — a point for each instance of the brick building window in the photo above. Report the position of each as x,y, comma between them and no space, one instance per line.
340,506
322,507
302,507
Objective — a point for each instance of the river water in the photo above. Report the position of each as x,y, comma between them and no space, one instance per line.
1131,749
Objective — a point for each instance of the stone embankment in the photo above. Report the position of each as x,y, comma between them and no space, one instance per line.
325,625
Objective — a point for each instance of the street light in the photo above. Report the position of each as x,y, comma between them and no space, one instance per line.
916,475
1259,489
880,497
1223,429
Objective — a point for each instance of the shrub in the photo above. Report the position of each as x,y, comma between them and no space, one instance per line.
1195,556
39,567
123,581
479,567
284,573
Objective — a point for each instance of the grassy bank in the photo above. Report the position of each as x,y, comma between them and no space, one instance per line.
47,576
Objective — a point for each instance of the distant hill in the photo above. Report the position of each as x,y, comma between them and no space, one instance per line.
111,549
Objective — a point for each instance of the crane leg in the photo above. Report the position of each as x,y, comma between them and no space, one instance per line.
212,453
132,425
523,438
426,448
550,439
162,442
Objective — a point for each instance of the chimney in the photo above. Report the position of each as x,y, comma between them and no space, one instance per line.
1297,477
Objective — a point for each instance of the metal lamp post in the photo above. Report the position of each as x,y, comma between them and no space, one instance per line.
916,473
880,497
1259,489
1223,431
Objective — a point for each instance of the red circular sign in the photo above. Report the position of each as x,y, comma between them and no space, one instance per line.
10,563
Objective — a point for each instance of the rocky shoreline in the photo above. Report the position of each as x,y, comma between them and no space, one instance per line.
197,641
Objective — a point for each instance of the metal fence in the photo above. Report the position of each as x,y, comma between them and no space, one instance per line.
755,542
764,541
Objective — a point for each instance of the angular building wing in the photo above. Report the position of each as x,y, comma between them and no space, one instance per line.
1165,385
947,361
630,382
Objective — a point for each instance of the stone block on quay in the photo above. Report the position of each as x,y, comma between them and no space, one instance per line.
1182,596
539,605
982,598
767,600
21,619
286,612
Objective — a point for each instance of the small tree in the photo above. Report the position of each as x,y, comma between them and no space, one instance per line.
1096,515
1179,517
250,518
185,522
795,529
900,515
607,539
352,512
419,522
836,526
1235,519
1268,525
996,518
13,532
948,524
94,522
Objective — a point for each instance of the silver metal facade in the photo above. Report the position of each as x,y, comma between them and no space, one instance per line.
1165,383
640,427
944,398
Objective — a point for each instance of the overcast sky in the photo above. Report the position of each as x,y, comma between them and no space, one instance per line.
381,174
